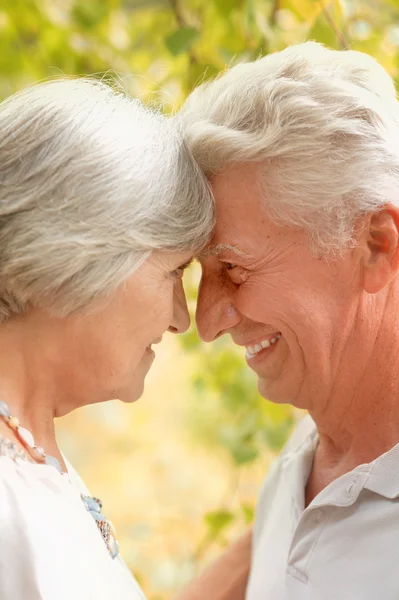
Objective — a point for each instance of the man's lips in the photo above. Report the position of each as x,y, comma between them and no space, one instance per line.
254,346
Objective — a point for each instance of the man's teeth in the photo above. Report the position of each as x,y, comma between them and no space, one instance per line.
252,350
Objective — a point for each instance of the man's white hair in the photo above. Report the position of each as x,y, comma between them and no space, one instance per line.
324,123
91,182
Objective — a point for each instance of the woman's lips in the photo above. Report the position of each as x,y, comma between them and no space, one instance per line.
149,350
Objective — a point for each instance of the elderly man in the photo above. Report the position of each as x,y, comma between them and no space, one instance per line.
302,151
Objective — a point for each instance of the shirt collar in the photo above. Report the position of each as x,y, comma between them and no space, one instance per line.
380,476
383,478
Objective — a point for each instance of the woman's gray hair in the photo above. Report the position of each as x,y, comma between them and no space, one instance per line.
91,182
324,123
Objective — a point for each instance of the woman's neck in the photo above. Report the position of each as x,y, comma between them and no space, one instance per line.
27,386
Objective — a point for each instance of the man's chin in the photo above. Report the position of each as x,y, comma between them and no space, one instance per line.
269,390
279,394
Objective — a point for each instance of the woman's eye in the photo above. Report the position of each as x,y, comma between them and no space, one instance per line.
178,272
230,266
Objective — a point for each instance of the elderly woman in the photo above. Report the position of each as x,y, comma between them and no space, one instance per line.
101,207
302,150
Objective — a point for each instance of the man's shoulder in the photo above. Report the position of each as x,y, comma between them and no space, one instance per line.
274,486
305,429
305,433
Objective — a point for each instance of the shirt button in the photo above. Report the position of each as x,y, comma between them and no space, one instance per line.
318,515
286,459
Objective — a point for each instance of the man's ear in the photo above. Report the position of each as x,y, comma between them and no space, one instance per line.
379,245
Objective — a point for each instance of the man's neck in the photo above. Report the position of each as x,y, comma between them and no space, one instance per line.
360,421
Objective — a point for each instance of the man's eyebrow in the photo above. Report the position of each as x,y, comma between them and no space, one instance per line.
217,249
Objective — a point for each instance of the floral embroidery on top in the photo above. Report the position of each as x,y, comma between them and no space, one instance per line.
106,528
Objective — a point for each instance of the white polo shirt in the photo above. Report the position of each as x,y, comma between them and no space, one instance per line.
343,546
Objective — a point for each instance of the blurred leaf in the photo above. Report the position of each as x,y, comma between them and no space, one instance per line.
244,454
190,341
226,6
248,511
276,436
140,4
217,521
181,40
90,13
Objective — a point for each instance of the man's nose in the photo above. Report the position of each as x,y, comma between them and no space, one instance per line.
215,312
181,318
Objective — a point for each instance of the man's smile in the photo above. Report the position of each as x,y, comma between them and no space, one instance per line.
258,347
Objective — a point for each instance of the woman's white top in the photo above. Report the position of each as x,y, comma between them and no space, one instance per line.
50,546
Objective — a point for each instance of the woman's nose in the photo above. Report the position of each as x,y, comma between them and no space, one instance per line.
181,318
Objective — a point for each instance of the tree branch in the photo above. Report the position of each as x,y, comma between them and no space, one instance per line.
339,34
273,14
176,11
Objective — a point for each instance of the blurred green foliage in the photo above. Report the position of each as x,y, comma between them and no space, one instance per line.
161,49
